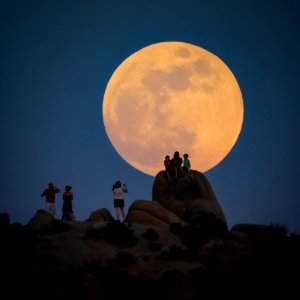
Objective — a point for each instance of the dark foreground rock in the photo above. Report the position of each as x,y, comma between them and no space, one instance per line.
109,260
193,192
177,246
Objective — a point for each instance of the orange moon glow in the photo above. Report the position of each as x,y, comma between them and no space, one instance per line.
172,96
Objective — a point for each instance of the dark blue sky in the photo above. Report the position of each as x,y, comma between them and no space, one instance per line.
58,56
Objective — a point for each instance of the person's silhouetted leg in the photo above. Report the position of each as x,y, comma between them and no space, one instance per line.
123,213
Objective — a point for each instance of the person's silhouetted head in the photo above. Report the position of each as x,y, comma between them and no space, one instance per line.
68,188
176,154
185,155
116,185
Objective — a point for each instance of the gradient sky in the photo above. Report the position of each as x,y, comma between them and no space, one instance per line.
57,58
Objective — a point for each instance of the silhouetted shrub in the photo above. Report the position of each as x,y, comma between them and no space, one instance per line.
150,235
193,237
278,230
119,234
209,224
175,228
114,232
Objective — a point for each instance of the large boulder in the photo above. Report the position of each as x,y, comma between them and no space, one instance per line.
45,223
40,221
191,195
151,213
100,215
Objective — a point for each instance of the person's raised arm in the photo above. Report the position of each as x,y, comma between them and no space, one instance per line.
125,189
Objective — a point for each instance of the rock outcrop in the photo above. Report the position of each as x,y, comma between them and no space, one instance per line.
83,260
44,222
174,247
100,215
190,197
151,213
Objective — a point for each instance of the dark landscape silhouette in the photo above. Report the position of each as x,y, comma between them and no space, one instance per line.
175,246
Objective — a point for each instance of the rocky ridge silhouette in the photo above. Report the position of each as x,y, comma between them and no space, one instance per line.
175,246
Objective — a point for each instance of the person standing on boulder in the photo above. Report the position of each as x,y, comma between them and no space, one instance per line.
186,164
49,193
168,166
177,165
118,193
67,209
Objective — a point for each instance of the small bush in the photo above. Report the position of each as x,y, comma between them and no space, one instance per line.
151,235
118,234
278,230
115,233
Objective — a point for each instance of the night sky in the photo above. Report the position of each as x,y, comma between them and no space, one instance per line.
57,58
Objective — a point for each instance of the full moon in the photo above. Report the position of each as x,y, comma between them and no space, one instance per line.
172,96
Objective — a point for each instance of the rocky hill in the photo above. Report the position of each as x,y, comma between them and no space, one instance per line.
175,246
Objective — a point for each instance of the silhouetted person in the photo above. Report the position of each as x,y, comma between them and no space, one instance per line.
67,209
118,193
186,163
49,193
168,167
177,165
